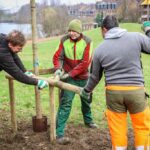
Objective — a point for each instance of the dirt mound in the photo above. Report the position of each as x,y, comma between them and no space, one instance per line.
82,138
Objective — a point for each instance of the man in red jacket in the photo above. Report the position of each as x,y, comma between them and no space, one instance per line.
71,62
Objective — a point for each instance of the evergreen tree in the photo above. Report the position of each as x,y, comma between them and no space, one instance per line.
99,18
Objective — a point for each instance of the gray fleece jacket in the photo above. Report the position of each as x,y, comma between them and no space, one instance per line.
119,57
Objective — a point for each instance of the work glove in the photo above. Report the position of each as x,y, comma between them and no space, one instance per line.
64,76
58,72
85,94
146,27
42,84
30,74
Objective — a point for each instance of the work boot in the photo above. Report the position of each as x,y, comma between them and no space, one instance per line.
63,140
91,125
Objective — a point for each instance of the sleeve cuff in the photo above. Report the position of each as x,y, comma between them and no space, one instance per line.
87,91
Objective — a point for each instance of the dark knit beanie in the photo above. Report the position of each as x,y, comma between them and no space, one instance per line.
75,25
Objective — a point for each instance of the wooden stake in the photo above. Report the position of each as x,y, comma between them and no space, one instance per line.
52,114
60,84
12,105
35,58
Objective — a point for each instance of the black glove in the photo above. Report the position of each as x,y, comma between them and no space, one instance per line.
84,94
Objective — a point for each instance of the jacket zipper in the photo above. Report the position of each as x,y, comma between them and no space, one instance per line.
75,51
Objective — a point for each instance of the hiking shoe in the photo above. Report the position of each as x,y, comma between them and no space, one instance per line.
91,125
63,140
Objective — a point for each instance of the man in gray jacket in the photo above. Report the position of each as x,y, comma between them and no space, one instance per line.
119,57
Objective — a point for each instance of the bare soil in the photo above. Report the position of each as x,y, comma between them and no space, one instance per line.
82,138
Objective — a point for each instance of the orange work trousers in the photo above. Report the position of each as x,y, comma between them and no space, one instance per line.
117,123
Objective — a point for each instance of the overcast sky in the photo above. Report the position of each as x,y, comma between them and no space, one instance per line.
15,4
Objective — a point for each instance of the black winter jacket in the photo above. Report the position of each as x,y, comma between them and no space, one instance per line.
11,63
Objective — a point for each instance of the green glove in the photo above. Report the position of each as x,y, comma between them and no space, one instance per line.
58,72
28,73
84,94
42,84
64,76
146,26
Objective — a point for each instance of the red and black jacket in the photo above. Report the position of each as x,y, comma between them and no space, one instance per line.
74,56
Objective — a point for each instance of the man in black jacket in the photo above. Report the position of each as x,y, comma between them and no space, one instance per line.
10,45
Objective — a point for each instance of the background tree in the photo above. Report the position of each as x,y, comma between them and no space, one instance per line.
54,20
128,11
99,18
49,16
55,2
1,14
24,14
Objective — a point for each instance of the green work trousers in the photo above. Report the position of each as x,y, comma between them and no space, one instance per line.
66,105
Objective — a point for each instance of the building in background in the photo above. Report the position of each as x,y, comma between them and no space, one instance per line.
145,10
101,6
106,7
80,10
90,11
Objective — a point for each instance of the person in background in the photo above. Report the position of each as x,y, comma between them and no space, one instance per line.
10,62
119,58
71,62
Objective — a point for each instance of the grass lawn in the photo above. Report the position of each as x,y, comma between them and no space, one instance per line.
25,99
